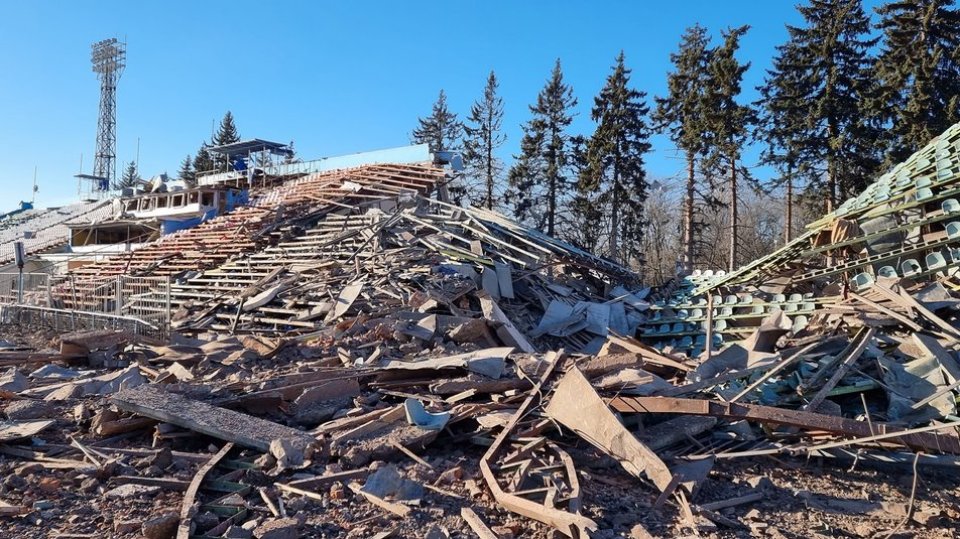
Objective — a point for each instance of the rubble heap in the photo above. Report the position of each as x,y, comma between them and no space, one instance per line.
390,365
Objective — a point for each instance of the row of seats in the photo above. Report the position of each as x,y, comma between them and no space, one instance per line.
719,324
909,268
696,343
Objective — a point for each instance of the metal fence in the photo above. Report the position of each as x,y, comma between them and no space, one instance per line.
35,288
65,320
146,299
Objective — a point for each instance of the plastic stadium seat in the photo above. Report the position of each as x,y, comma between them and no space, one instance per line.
950,205
924,194
887,271
953,229
935,260
910,267
862,281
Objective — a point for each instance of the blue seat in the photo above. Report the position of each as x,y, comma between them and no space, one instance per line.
887,271
935,260
862,281
950,205
910,267
953,230
923,193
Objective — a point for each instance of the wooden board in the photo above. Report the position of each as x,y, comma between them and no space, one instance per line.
246,430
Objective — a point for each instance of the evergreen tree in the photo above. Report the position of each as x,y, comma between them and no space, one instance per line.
292,156
918,71
832,60
782,124
614,161
186,173
728,123
441,130
483,137
680,113
539,181
130,177
226,134
202,162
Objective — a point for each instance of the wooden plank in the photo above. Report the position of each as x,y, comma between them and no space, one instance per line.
570,524
507,332
186,510
782,416
861,341
477,525
576,405
250,431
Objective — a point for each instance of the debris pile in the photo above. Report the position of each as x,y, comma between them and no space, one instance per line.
383,364
390,419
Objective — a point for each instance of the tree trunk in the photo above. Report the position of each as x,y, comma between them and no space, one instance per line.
733,215
551,204
489,174
788,232
688,218
615,215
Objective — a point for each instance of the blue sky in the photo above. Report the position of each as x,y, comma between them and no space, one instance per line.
335,77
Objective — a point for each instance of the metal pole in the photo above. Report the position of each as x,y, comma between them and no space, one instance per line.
166,322
20,287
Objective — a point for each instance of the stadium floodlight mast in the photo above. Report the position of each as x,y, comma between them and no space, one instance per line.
108,58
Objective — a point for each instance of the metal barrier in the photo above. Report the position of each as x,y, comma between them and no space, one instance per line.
64,320
36,290
142,298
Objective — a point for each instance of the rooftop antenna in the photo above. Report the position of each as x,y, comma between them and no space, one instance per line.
108,58
33,196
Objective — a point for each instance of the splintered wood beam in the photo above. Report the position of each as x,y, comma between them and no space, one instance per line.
570,524
186,510
228,425
780,416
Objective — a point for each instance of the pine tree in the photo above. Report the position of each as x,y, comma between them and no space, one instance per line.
292,156
539,181
680,113
782,124
202,162
226,134
186,173
441,130
614,161
833,62
130,177
483,137
729,123
918,71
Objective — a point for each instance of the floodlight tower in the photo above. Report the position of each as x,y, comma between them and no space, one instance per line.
109,58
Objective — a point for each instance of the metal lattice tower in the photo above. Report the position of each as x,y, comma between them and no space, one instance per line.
109,58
